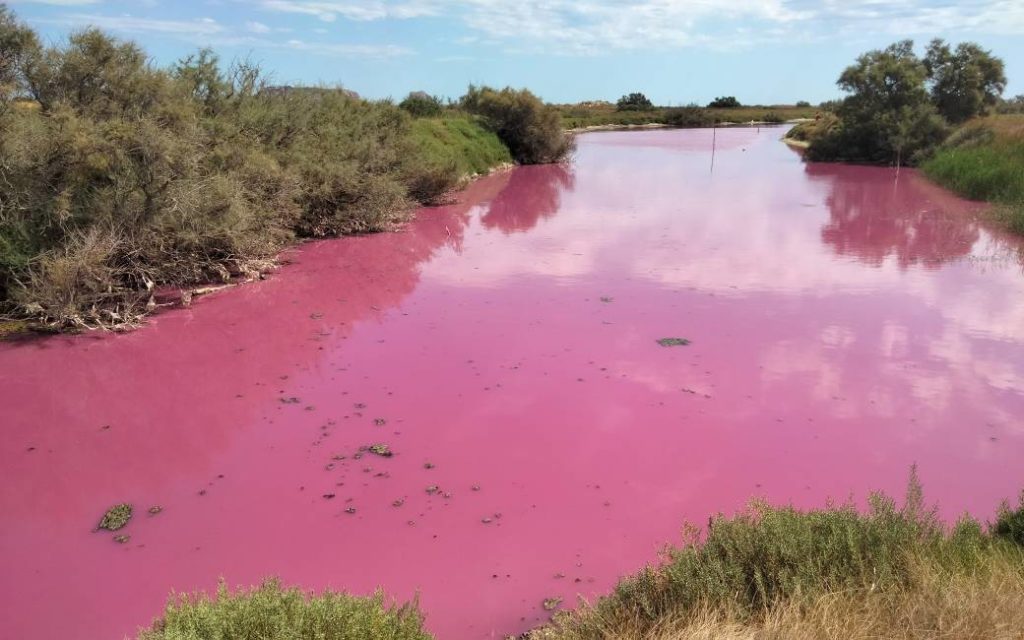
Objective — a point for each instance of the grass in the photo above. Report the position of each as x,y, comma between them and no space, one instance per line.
984,160
836,572
271,611
592,115
459,141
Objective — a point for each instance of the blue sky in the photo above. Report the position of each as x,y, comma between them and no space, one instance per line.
675,51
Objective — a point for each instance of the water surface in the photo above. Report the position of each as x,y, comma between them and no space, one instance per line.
844,325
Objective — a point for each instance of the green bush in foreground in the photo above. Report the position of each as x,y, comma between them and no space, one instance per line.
272,612
765,557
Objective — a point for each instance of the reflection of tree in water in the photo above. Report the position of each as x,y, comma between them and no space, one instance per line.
872,217
532,193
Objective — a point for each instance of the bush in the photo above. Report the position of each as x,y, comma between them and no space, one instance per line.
1010,523
273,612
422,105
634,102
530,129
687,117
803,104
725,102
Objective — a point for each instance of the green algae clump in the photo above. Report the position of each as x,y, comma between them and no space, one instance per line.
116,517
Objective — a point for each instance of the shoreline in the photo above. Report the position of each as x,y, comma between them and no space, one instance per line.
662,125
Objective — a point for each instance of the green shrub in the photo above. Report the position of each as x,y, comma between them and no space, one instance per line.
724,102
634,102
687,117
422,105
530,129
272,612
1010,523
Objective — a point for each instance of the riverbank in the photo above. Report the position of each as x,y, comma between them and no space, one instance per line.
598,117
982,159
121,181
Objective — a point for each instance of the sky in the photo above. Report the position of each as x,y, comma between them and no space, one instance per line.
674,51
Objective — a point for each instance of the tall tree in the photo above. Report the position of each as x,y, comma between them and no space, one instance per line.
964,82
17,43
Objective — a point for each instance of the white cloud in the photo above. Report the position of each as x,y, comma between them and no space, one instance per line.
257,27
133,24
594,26
349,49
361,10
58,3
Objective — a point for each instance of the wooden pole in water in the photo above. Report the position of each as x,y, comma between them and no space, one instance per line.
714,141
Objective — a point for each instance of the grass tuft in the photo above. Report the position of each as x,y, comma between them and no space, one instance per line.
271,611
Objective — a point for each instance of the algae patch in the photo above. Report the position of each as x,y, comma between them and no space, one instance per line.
116,517
673,342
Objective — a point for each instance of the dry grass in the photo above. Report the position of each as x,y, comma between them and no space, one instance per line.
984,603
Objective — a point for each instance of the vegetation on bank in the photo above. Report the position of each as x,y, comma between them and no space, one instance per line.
984,160
600,114
273,611
828,573
900,106
118,178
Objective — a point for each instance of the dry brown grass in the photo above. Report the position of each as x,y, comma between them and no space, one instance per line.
986,603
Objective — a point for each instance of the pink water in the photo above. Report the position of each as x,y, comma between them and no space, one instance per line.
844,326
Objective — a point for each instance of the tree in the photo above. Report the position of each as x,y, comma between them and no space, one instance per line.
17,44
964,82
634,102
724,102
888,116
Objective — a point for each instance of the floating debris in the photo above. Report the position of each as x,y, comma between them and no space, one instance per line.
428,465
381,450
380,422
673,342
432,489
121,539
289,400
316,316
350,510
607,298
398,503
486,520
328,496
550,604
155,509
116,517
475,487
